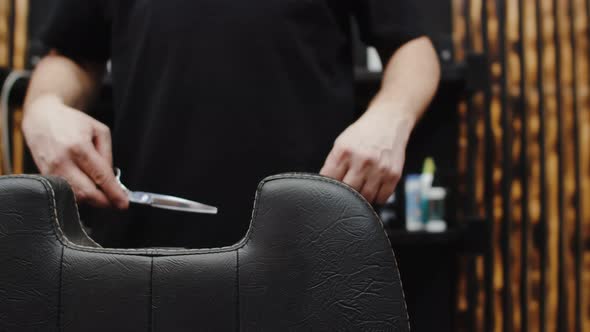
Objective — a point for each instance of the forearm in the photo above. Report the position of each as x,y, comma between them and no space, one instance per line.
410,81
60,78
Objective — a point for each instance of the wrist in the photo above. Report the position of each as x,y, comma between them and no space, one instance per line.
393,124
38,105
46,101
393,115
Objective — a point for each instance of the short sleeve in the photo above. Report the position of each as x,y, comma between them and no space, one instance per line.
388,24
78,29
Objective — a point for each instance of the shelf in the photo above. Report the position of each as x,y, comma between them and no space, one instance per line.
470,236
451,73
405,238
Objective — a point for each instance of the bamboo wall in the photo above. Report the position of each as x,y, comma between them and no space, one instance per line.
526,141
14,37
5,41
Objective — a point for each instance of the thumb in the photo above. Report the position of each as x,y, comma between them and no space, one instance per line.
102,175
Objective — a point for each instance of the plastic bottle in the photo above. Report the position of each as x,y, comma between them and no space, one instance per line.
413,200
426,180
436,203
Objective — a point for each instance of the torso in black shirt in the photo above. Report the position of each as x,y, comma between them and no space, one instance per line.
211,96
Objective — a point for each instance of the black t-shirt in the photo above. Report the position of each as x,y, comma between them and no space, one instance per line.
211,96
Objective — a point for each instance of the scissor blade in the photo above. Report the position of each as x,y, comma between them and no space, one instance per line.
140,197
180,204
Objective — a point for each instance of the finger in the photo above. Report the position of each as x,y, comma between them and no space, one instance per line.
386,190
381,179
371,186
336,165
335,170
103,143
354,178
101,173
389,171
84,188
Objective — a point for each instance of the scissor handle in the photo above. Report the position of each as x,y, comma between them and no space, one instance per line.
118,177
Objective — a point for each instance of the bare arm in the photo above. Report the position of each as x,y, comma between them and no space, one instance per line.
63,140
56,76
410,81
370,154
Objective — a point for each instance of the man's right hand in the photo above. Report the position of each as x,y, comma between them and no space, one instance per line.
68,143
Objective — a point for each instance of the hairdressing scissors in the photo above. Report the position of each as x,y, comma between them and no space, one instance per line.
164,201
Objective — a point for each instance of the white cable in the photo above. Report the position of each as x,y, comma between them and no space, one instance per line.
5,126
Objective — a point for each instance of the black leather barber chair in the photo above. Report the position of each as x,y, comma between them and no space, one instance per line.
316,258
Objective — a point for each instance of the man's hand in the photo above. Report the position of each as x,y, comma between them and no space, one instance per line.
369,155
68,143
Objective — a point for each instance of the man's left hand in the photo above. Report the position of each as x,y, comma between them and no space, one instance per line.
369,156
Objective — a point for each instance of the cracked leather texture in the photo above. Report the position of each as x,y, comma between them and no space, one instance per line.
315,258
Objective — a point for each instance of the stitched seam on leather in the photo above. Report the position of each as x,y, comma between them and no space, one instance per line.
53,217
86,234
151,302
238,245
303,176
80,222
365,202
60,295
58,232
51,202
244,242
238,295
142,252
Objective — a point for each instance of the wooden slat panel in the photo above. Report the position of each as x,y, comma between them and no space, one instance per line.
565,88
18,145
583,57
21,33
5,40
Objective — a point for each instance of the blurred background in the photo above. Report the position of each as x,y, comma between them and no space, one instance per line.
510,134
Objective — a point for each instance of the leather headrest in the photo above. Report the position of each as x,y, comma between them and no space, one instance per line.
316,257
